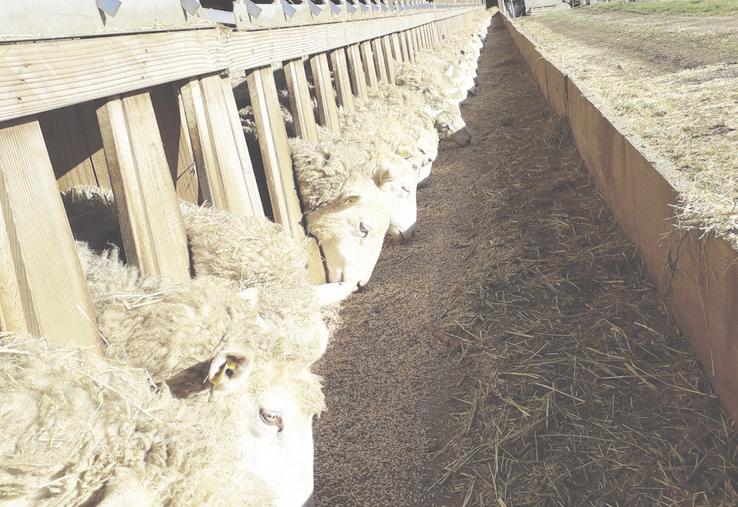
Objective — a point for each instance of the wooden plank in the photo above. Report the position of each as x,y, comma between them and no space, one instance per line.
43,288
342,79
367,60
217,158
389,60
379,60
175,138
356,72
275,151
247,49
324,93
38,76
151,225
301,103
403,47
12,316
397,52
91,129
277,159
253,204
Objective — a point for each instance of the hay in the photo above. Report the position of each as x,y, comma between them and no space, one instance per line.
578,388
671,81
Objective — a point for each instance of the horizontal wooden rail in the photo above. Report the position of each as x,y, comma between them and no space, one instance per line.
44,75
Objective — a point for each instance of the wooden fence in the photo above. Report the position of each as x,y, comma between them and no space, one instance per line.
152,115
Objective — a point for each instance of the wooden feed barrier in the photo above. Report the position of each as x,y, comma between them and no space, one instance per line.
151,114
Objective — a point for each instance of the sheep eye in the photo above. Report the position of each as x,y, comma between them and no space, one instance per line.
407,190
271,418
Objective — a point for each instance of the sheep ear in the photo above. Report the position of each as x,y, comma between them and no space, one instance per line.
350,199
385,176
225,367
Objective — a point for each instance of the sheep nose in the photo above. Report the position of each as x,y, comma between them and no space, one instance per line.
409,233
364,228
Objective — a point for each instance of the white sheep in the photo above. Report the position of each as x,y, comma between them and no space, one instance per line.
398,117
253,255
345,210
79,429
441,98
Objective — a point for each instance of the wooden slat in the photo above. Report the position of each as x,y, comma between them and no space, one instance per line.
379,60
87,113
389,60
368,61
254,206
301,103
356,72
151,225
275,153
403,47
397,48
324,93
175,138
342,79
412,44
43,288
217,158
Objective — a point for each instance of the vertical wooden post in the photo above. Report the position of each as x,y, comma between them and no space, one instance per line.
397,48
379,60
342,79
368,62
416,39
356,71
277,158
220,166
327,111
389,60
300,102
247,170
150,221
42,287
404,48
175,137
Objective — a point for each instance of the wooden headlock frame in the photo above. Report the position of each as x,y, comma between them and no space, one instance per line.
152,115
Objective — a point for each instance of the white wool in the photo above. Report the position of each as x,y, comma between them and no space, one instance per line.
76,426
241,252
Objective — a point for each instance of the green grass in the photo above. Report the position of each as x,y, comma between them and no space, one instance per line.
678,7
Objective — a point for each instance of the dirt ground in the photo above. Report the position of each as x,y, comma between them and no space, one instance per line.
515,353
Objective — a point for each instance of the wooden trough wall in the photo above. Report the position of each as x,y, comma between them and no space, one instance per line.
153,116
697,277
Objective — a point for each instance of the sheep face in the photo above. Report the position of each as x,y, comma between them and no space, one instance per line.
351,232
275,405
450,125
397,179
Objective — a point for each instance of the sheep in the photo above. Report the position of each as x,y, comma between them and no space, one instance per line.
440,96
79,429
345,211
404,123
253,255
